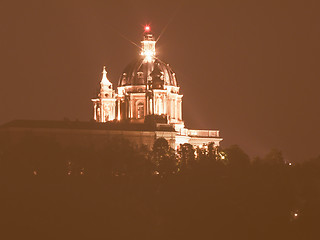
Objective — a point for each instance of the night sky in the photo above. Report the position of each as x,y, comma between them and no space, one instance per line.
248,68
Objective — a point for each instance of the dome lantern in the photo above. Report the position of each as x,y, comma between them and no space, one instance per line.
148,45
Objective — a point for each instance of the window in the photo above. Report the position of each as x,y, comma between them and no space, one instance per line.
140,74
140,110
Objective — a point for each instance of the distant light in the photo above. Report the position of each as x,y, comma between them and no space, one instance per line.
290,163
294,215
147,28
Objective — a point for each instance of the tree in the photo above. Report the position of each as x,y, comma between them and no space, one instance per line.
35,155
163,157
212,151
274,157
237,157
120,152
186,153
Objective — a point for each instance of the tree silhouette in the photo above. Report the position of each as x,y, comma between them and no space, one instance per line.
274,157
163,157
187,156
237,157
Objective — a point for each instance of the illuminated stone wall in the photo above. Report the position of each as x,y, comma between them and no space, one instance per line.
87,137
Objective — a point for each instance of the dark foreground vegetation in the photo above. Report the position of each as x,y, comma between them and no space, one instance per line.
54,192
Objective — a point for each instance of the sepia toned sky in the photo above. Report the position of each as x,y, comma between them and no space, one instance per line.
248,68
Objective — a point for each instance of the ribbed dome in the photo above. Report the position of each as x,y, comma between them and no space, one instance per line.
137,72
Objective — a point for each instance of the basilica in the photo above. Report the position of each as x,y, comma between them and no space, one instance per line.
145,106
148,91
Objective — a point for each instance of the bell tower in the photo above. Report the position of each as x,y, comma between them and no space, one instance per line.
105,105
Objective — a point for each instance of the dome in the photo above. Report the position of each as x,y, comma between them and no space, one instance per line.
137,72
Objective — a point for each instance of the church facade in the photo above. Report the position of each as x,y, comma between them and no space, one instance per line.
148,91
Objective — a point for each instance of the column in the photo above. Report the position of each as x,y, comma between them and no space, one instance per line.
95,111
119,102
176,106
180,109
172,108
113,110
130,108
165,105
102,117
162,104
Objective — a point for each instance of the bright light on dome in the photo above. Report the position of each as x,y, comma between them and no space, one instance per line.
148,58
147,28
148,55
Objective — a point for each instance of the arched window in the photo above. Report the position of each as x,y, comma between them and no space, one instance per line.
140,110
